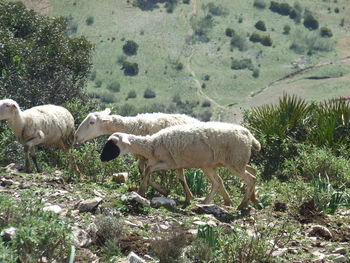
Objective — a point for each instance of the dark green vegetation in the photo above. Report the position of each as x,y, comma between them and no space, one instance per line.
303,167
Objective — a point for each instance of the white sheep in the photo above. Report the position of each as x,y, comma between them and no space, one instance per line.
44,125
102,123
199,145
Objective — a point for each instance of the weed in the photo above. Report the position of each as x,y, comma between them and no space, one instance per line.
196,181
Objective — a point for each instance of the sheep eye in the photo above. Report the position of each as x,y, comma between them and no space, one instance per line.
92,122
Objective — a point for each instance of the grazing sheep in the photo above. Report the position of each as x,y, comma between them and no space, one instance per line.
44,125
199,145
102,123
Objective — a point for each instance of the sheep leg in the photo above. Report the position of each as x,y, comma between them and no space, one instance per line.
147,175
27,161
182,179
249,180
252,171
214,184
33,155
28,150
220,184
142,166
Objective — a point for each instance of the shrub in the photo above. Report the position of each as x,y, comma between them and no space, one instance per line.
229,32
256,73
259,4
241,64
130,69
121,59
310,21
131,94
89,21
130,48
239,42
206,77
309,42
170,6
205,115
179,66
202,26
296,13
336,10
114,86
286,29
148,94
215,9
326,32
280,8
206,103
93,75
260,25
107,97
98,84
255,37
266,41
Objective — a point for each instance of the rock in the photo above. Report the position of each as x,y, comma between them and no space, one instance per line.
219,213
320,231
162,201
279,252
339,258
8,233
340,250
120,178
80,237
133,258
88,205
53,208
10,168
6,182
133,196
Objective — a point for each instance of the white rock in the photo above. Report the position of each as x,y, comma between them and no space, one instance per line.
133,258
340,250
8,233
139,199
340,258
89,205
53,208
162,201
120,178
80,237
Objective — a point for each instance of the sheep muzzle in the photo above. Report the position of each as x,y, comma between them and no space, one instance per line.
109,152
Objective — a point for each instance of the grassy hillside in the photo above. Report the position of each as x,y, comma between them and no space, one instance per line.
187,53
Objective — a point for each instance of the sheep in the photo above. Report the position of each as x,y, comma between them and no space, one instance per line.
41,125
199,145
102,123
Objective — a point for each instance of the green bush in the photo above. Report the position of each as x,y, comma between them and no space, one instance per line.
286,29
229,32
89,21
114,86
241,64
310,22
239,41
130,69
280,8
215,9
196,181
255,37
260,25
259,4
107,97
130,48
309,42
256,73
326,32
266,41
148,94
131,94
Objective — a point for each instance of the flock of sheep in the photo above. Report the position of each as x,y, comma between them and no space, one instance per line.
160,141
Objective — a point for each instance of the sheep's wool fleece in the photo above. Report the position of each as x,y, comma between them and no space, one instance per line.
150,123
229,143
56,122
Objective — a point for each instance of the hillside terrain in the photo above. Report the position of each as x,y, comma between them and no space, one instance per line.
185,55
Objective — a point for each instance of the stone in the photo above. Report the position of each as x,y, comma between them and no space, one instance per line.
120,178
219,213
133,196
89,205
133,258
320,231
162,201
339,258
341,250
80,237
8,233
53,208
6,182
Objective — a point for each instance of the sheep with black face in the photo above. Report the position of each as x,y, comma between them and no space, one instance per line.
200,145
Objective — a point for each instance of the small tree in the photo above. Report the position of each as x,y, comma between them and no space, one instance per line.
286,29
90,20
259,4
130,48
148,94
310,22
229,32
326,32
260,25
114,86
131,94
266,41
255,37
130,69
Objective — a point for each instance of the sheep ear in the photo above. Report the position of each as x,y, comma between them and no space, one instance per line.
106,119
126,140
107,111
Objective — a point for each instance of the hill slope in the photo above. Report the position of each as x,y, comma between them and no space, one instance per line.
187,55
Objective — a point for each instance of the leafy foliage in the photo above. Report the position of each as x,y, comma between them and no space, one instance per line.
39,64
260,25
130,48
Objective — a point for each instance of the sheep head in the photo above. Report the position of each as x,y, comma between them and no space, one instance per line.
117,144
8,108
92,126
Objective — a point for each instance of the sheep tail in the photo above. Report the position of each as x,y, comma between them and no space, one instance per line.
256,144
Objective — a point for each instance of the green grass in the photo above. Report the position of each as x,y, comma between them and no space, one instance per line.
162,44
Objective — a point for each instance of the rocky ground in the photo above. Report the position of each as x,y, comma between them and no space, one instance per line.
316,237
